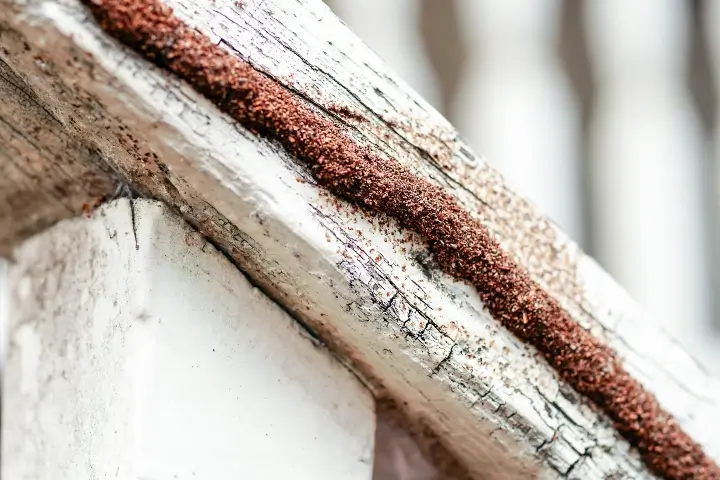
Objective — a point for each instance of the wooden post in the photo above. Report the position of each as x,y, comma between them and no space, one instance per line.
439,361
139,351
514,80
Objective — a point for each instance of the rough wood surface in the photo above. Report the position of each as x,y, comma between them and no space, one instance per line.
45,174
414,334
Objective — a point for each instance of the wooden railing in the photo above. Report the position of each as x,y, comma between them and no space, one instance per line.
602,114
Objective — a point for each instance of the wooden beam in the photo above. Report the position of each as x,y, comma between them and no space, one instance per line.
46,174
422,341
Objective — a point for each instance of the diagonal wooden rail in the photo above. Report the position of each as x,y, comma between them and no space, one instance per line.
85,115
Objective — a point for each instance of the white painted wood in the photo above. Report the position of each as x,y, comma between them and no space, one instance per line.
647,168
417,337
515,104
163,362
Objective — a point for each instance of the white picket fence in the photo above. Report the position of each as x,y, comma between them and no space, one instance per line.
621,157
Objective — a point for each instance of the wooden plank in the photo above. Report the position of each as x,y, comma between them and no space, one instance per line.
164,362
423,341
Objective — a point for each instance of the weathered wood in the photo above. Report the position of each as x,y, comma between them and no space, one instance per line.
422,341
46,174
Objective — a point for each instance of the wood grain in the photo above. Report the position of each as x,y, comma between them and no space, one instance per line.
45,173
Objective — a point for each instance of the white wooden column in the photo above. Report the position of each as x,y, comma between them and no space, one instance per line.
139,352
515,104
711,19
647,156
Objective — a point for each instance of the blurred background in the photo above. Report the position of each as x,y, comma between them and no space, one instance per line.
604,113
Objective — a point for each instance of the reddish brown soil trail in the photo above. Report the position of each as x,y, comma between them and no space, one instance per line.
462,246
